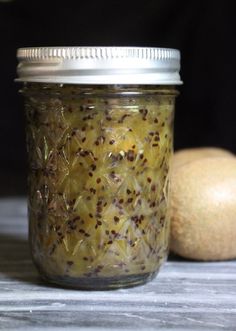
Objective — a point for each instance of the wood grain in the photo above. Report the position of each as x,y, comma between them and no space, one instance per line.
186,295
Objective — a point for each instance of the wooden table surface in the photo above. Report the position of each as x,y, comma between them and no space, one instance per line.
184,296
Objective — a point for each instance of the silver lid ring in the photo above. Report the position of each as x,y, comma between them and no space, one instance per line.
99,65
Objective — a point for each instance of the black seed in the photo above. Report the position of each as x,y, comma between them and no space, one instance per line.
111,142
82,153
115,177
130,155
98,180
70,263
122,118
116,219
149,180
130,200
98,269
134,218
128,191
99,209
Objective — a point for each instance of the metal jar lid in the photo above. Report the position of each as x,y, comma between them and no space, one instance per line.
99,65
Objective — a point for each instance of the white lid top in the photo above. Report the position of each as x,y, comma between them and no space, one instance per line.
99,65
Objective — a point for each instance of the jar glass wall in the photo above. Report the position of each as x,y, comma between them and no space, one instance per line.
98,181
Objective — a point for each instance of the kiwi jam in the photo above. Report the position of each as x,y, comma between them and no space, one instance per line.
98,181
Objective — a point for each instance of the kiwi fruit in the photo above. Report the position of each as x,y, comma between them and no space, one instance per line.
203,209
187,155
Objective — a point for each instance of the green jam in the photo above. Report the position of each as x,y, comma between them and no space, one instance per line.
98,181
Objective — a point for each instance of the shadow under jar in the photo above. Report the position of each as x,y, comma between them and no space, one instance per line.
99,159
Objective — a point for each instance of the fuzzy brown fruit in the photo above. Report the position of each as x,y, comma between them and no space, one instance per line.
187,155
203,209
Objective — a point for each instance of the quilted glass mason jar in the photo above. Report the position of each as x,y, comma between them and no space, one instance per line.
99,139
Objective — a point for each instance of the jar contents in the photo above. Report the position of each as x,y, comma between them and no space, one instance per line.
98,183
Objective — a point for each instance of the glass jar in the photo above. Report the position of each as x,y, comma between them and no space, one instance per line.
99,154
